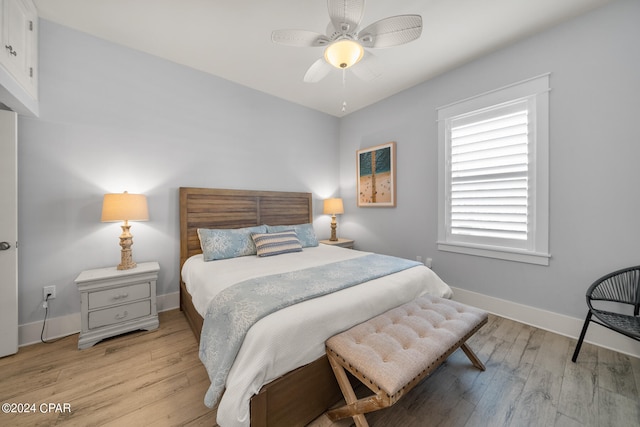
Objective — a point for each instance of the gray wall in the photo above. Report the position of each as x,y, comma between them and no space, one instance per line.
114,119
594,62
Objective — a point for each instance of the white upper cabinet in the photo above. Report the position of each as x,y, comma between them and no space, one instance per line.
19,48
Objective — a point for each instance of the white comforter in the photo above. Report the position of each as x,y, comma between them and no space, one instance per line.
295,336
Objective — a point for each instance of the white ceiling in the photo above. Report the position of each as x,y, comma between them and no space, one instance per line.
232,39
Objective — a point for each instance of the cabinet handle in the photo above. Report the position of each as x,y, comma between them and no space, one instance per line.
4,246
122,316
121,296
11,51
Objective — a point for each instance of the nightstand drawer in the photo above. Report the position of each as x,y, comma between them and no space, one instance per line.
122,313
118,295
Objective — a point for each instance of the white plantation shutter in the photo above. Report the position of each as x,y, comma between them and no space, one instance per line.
489,174
493,181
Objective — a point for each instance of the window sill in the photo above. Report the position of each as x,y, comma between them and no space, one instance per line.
497,253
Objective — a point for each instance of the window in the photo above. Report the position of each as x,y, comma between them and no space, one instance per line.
493,197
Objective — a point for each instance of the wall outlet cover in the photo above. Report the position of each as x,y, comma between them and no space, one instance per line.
49,290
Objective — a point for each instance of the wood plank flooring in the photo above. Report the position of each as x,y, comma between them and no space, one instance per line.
141,378
155,378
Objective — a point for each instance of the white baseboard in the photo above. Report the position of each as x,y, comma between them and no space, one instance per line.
56,327
168,302
62,326
550,321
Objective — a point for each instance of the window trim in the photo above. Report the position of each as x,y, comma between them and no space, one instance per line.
536,90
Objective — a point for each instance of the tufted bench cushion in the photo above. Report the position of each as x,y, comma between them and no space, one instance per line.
392,352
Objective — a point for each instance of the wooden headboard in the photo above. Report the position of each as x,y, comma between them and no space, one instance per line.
217,208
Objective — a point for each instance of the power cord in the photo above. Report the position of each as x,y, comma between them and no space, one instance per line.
45,304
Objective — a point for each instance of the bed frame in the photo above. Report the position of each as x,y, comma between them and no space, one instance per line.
301,395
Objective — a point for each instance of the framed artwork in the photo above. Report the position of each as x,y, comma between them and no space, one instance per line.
376,168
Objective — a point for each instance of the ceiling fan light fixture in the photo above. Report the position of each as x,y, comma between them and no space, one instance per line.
343,53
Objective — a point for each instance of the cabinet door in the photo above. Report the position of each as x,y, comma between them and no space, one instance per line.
19,54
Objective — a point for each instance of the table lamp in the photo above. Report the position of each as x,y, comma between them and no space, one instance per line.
333,207
125,207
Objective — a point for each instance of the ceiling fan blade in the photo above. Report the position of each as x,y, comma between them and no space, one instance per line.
345,14
299,38
330,29
368,68
392,31
317,71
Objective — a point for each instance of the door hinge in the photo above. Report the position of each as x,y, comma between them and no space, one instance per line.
30,25
30,71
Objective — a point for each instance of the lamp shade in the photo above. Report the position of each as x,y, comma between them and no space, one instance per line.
333,206
124,207
343,53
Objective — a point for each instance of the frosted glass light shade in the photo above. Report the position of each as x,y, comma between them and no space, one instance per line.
343,53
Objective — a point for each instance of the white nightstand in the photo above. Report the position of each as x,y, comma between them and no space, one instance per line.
117,301
343,243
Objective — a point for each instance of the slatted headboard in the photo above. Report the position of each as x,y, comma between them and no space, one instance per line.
217,208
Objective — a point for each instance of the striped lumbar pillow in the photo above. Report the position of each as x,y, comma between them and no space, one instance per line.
268,244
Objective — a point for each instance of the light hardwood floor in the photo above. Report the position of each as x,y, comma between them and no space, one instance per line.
155,378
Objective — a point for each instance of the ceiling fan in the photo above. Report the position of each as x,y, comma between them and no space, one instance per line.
345,42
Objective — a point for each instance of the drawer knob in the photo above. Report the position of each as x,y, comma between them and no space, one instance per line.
121,316
121,296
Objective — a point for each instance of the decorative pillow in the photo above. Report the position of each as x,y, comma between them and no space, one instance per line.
228,243
305,233
268,244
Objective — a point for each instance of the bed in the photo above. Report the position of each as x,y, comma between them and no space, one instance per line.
300,393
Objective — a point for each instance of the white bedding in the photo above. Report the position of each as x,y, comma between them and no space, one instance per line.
295,336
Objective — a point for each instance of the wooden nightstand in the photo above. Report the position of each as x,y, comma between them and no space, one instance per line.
343,243
117,301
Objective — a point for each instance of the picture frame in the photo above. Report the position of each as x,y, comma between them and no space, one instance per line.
376,176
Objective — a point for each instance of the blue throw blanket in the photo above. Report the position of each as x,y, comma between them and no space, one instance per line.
234,310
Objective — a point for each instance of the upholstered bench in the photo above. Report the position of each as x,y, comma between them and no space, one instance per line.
394,351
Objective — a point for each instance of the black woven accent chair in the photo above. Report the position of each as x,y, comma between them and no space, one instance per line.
607,297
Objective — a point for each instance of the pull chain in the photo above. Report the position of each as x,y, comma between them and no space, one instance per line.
344,90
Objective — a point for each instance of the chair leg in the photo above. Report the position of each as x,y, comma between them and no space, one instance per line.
582,334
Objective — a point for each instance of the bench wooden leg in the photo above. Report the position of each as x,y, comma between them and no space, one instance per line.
354,408
472,357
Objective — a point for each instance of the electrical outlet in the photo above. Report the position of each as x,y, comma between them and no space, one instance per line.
429,262
49,290
418,258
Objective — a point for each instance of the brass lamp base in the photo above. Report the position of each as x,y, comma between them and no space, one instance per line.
126,240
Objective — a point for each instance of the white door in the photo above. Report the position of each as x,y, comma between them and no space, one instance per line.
8,233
